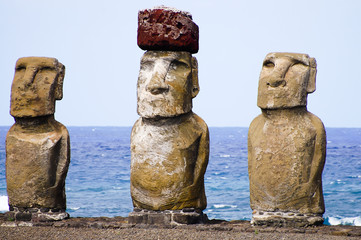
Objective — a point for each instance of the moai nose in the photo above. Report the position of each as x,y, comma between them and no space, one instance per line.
278,75
29,75
276,82
157,85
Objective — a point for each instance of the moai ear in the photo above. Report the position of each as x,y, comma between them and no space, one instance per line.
311,85
59,82
195,85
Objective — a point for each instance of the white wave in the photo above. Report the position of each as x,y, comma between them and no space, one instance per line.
354,221
4,204
338,181
358,221
224,155
224,206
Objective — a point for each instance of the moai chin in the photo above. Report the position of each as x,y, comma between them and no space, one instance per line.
286,145
37,146
169,143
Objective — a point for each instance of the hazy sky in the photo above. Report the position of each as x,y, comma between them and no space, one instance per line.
96,41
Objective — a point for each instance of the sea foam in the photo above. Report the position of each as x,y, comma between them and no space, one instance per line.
224,206
4,207
354,221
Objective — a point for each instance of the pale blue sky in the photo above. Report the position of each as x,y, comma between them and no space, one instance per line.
96,41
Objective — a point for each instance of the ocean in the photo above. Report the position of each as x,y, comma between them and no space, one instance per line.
98,178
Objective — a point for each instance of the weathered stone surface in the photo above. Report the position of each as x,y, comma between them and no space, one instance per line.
169,143
285,80
36,215
167,217
37,146
286,144
286,219
112,228
49,216
164,87
163,28
37,83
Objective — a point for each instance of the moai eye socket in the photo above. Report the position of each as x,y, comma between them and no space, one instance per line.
268,64
178,65
296,62
146,65
20,68
47,69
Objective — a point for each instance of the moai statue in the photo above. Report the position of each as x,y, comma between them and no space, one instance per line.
169,143
37,146
286,145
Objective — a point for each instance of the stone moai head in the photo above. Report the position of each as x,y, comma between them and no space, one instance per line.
37,83
168,77
285,80
167,83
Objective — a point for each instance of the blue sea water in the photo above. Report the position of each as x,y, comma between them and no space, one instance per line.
98,179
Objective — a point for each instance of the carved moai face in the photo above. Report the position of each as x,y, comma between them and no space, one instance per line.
167,83
37,83
285,80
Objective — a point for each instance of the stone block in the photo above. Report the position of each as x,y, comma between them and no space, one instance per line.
23,216
36,215
49,217
9,216
166,218
137,218
285,219
159,218
185,218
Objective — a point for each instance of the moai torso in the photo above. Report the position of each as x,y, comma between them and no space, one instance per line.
169,143
286,143
168,163
37,146
36,166
284,173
